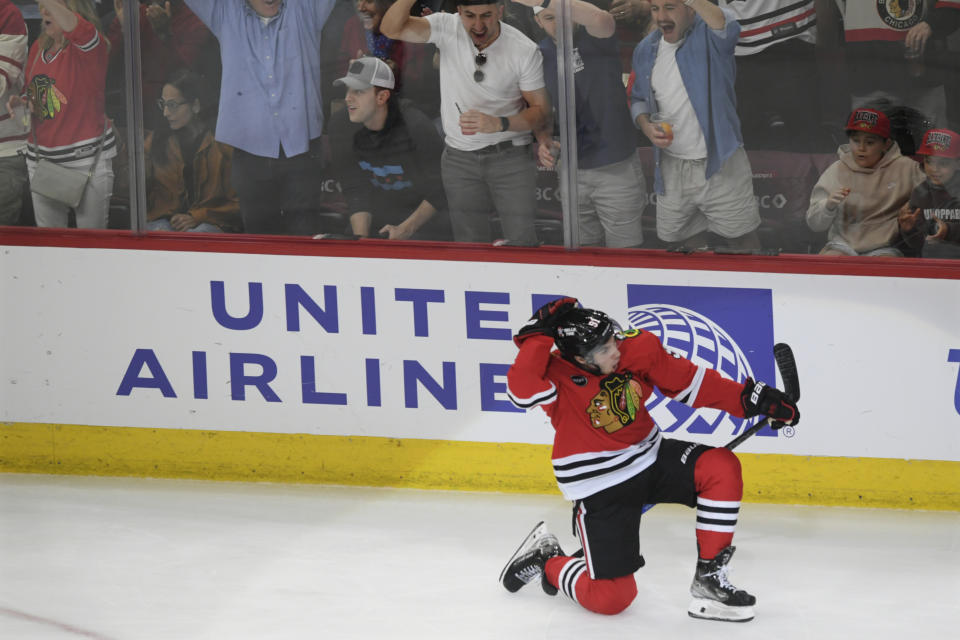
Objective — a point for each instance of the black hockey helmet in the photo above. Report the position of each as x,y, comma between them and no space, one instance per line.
580,331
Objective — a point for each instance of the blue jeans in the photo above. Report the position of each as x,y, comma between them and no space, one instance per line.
480,183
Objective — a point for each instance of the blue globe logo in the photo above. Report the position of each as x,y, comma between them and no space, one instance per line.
701,340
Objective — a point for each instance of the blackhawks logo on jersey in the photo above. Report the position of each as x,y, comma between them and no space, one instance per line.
617,403
900,14
46,100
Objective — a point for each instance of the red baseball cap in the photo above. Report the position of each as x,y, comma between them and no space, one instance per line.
869,121
940,142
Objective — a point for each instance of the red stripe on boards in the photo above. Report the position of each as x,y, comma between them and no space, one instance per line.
928,268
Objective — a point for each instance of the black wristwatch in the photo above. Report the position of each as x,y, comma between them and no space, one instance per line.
504,123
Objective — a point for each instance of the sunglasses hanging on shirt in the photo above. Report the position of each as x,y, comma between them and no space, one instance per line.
480,60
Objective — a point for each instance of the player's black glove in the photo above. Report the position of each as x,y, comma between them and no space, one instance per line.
758,398
543,322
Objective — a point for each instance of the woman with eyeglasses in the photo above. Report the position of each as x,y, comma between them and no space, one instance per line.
188,172
64,96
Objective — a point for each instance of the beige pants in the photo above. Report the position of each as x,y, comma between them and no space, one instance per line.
724,204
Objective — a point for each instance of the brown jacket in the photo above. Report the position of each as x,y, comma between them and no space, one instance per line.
216,201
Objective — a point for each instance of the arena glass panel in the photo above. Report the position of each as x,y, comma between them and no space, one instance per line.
800,69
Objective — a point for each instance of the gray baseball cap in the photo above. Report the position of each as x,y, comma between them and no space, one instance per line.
364,73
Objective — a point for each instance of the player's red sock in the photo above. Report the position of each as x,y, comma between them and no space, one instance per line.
719,490
571,577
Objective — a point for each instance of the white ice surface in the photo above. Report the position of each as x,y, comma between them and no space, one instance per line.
119,559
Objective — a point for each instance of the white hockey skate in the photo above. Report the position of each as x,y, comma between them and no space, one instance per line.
714,598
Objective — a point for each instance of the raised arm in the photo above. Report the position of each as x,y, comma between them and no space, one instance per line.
527,381
598,23
60,14
398,24
710,13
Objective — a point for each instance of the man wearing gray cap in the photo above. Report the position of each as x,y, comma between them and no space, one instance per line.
492,97
387,169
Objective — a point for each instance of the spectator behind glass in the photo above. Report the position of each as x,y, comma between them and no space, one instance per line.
610,185
857,198
171,37
333,59
928,40
934,206
685,70
492,97
362,36
777,88
66,73
880,66
412,66
188,172
389,168
13,130
271,107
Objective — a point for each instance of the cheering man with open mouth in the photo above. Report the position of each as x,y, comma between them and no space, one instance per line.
492,97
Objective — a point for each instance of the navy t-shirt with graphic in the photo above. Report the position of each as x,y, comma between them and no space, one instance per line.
605,133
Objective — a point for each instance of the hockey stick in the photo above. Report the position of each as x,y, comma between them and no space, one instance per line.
787,365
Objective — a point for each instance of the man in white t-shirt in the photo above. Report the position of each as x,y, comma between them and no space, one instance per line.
492,101
684,72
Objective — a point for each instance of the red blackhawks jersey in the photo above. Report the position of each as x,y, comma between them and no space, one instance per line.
603,432
66,90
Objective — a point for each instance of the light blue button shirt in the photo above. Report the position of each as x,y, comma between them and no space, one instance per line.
270,88
707,66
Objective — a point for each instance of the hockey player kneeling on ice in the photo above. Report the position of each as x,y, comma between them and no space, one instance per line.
610,458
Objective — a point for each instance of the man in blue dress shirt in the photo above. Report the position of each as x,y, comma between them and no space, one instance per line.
271,110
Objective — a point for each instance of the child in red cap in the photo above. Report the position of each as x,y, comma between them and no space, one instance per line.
858,197
933,212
